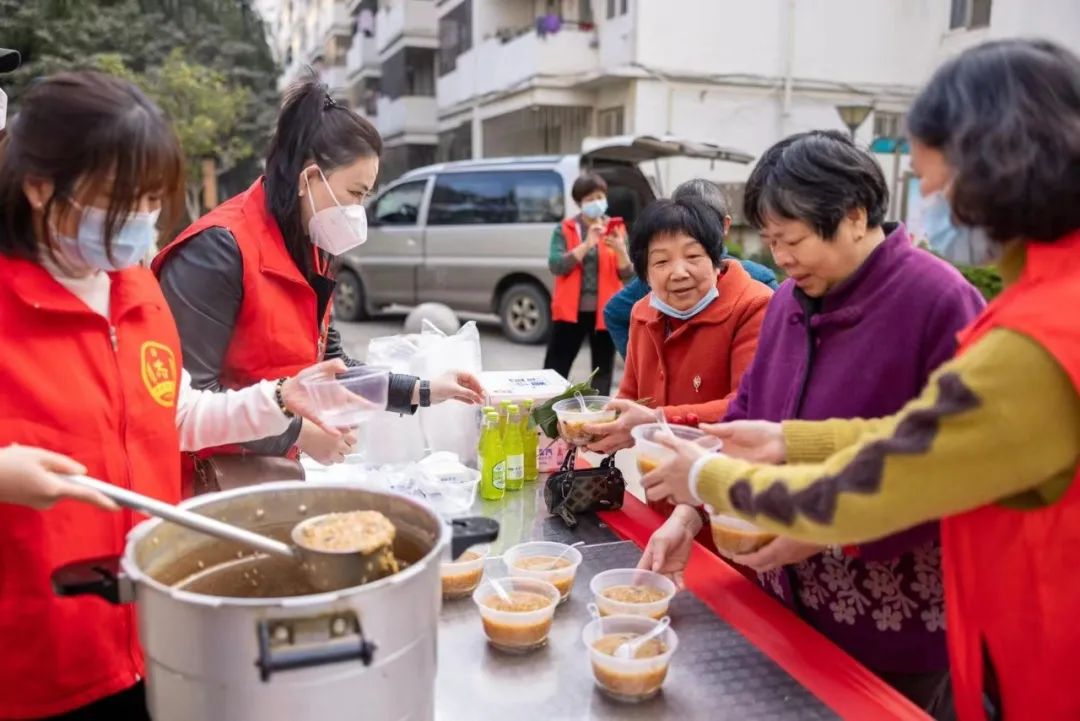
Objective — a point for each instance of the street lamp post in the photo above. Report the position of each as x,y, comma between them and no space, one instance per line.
853,116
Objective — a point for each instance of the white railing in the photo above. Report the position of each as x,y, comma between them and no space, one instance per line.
494,66
409,114
408,18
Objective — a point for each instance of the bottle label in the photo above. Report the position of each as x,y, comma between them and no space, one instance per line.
515,467
498,475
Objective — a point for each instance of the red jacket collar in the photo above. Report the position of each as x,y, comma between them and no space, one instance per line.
36,287
273,255
732,283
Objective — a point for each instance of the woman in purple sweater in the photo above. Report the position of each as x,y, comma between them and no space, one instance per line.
855,331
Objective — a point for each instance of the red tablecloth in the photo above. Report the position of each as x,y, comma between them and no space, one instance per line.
841,682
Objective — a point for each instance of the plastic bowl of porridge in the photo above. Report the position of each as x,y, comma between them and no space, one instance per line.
651,454
734,536
461,576
628,679
545,560
521,624
572,420
632,592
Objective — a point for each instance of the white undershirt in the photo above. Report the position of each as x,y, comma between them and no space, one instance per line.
203,418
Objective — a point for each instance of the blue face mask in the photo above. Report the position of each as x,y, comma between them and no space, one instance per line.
689,313
131,241
594,209
960,244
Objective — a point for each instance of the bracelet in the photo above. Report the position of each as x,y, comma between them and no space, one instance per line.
279,398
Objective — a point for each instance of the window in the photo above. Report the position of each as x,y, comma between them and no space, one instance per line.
409,72
617,7
969,14
400,205
527,196
455,36
610,121
888,125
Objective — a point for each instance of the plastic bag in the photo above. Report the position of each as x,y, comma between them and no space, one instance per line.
452,425
392,437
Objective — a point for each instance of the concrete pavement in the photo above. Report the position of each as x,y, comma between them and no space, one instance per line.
497,352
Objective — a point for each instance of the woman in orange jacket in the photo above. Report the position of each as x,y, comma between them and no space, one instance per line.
695,334
91,369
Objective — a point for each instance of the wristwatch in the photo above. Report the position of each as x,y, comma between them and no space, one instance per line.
425,394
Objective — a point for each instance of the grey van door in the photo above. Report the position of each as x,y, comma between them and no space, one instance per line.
487,229
388,261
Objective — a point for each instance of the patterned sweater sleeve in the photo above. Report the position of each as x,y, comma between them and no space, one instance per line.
975,436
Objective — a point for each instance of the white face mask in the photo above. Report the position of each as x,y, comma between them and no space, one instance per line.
339,228
3,109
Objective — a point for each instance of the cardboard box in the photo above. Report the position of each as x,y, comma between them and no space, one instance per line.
540,386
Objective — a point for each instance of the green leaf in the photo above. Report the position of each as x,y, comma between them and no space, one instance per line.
545,417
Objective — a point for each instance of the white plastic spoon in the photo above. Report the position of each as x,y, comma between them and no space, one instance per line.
551,566
630,648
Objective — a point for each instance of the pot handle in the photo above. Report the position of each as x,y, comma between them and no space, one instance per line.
352,647
470,532
96,576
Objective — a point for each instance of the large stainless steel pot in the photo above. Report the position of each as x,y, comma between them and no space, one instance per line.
362,652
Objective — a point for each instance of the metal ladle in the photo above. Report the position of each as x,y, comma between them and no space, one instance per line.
326,570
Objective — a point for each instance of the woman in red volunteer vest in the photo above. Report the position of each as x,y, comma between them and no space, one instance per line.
992,446
90,369
250,283
590,265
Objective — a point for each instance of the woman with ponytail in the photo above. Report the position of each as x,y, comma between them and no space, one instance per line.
250,282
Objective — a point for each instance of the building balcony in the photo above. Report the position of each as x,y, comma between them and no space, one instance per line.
336,80
408,115
496,66
362,57
411,20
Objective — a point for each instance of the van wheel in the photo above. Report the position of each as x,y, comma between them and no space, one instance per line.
349,297
525,313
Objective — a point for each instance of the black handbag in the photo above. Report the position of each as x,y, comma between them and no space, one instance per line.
572,491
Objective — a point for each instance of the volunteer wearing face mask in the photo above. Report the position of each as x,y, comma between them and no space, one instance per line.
90,369
250,282
992,446
590,263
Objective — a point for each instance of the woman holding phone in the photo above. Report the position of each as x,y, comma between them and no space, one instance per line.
590,261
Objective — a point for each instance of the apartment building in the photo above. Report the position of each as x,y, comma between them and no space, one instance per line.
456,79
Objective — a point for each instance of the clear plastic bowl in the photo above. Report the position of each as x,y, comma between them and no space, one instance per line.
651,454
572,419
516,632
734,536
628,679
460,577
451,497
350,398
562,578
620,578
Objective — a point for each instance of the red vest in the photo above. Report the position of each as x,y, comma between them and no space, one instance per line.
277,331
564,304
1011,583
104,392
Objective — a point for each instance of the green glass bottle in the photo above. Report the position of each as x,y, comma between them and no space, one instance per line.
503,407
493,460
531,440
514,446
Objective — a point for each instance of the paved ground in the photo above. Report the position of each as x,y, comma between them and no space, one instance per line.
498,353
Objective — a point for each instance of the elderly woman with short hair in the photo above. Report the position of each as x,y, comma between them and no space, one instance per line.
695,334
856,331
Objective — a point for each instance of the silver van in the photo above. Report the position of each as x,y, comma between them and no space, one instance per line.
475,234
